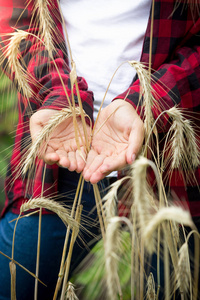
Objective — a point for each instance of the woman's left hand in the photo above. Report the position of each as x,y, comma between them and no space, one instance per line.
117,139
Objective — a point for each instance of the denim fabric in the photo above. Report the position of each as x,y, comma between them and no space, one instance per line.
52,240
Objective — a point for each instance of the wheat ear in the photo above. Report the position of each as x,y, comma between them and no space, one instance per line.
146,91
110,199
174,213
112,245
183,272
184,144
45,23
150,288
70,295
51,205
15,62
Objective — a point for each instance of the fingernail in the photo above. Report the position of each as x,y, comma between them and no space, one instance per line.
133,158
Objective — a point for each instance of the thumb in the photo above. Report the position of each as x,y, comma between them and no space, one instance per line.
135,140
38,120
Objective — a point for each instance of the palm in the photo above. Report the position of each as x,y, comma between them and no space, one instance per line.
115,142
62,146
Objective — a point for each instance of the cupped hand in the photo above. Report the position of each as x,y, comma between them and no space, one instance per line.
61,148
117,139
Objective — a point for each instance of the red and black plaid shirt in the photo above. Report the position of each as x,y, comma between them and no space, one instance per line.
176,74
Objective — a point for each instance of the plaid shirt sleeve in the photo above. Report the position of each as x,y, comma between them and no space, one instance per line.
48,92
176,82
175,60
44,77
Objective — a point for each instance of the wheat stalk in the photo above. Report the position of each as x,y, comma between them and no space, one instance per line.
166,271
13,279
51,205
193,4
25,269
69,256
78,194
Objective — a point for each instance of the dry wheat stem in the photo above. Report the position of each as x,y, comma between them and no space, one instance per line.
79,190
69,256
39,238
13,280
174,213
25,269
73,77
99,210
87,141
193,4
44,135
151,36
14,232
158,262
102,102
166,272
73,239
38,253
25,216
112,244
61,211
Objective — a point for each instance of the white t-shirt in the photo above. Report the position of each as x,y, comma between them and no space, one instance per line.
102,35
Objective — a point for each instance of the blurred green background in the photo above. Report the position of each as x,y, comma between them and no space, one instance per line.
8,120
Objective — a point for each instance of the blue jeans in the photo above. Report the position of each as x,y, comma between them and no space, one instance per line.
52,240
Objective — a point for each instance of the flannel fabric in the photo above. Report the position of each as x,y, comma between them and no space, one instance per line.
175,80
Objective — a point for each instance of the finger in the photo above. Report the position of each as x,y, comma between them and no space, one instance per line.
72,161
51,158
38,120
94,161
135,142
113,163
63,158
109,165
81,160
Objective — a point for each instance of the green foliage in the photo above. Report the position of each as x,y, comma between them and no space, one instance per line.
8,120
91,276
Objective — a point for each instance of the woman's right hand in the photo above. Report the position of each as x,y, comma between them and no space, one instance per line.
61,147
